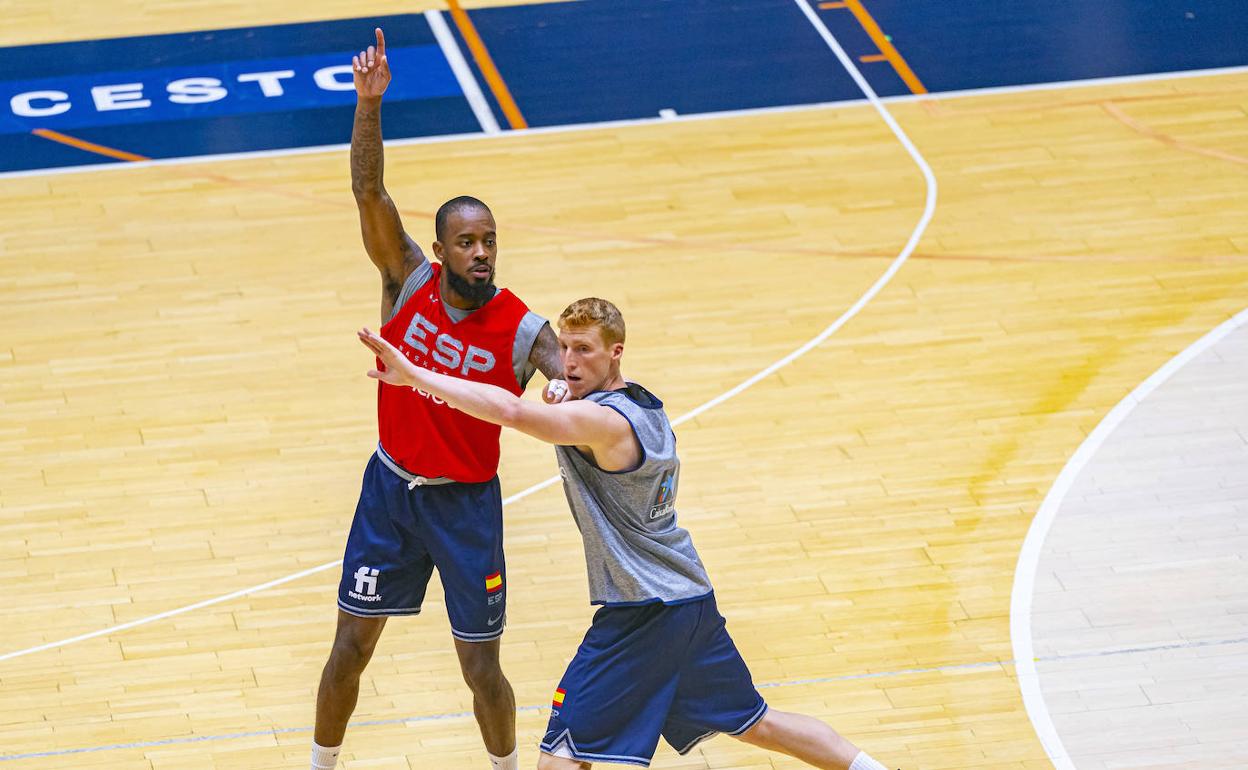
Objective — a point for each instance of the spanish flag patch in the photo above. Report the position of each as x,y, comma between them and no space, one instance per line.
557,702
493,583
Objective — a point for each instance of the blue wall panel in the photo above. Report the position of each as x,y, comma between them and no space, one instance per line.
424,99
986,43
597,60
575,63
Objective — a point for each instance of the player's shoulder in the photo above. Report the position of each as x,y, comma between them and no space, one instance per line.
418,274
421,270
416,279
632,402
634,393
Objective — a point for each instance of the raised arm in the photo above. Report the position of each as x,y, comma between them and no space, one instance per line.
545,354
389,247
586,424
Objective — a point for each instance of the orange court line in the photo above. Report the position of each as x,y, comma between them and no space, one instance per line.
82,144
886,47
482,57
1178,144
872,58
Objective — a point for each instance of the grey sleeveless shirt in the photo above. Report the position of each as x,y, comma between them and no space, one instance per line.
634,551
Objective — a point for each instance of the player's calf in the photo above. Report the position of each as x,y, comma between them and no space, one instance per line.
809,740
493,702
354,642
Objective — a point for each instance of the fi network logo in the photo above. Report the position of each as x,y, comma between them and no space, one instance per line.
365,585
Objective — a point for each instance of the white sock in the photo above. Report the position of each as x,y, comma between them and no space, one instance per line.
509,762
864,762
324,758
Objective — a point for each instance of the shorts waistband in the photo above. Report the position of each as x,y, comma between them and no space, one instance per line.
412,479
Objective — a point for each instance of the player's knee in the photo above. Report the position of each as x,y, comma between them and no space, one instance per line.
482,673
349,655
765,733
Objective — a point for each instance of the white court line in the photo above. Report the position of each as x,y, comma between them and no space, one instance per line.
1033,545
467,83
929,209
171,613
609,124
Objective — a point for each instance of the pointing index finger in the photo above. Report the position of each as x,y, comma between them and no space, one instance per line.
381,42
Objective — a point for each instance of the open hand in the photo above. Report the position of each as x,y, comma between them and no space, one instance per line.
370,69
398,369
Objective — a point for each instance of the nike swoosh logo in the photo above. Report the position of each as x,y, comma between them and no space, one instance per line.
494,620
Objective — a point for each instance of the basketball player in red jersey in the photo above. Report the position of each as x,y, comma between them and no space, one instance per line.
430,495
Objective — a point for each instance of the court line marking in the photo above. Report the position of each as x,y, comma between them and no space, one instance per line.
929,209
952,667
1033,545
485,63
1117,113
885,44
463,73
610,124
82,144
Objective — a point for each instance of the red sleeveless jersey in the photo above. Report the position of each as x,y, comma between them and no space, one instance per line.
422,433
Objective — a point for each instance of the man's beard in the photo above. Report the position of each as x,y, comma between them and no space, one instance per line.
475,293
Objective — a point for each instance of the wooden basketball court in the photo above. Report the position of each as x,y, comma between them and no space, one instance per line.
185,414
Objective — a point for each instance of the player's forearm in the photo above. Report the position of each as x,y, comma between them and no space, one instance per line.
564,424
496,405
481,400
367,156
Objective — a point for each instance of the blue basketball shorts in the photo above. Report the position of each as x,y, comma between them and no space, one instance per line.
399,535
648,671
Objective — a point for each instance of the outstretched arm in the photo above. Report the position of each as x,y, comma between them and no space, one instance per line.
389,247
573,423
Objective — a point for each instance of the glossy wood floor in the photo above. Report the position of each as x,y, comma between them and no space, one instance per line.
183,409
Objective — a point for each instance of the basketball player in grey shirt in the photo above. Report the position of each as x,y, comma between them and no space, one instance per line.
657,659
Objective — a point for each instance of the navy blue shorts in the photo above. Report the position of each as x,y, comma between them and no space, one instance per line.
646,671
399,535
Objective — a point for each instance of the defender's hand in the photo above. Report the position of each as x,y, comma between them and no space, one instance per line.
556,392
370,69
398,369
